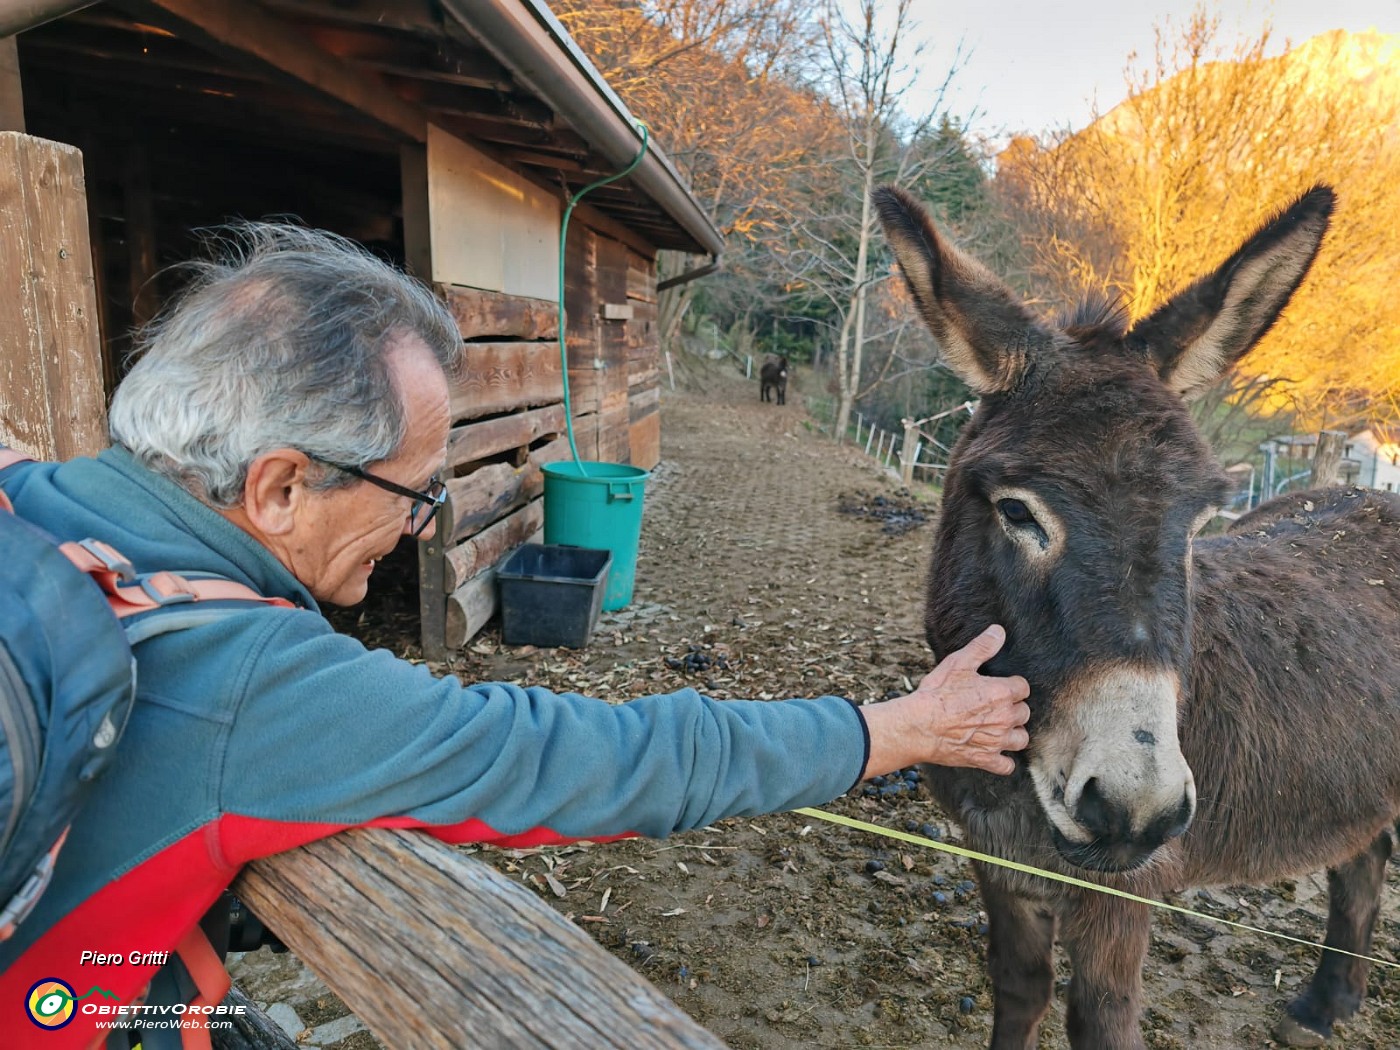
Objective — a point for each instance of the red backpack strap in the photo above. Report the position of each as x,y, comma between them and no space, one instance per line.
129,593
210,977
159,589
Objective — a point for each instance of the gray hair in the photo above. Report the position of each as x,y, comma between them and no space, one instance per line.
280,341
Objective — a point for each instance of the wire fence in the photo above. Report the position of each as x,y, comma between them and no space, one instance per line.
910,456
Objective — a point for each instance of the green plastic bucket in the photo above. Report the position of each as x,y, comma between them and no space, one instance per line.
598,505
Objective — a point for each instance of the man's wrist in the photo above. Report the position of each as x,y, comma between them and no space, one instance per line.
889,737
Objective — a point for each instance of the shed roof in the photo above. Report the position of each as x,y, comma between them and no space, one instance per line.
503,74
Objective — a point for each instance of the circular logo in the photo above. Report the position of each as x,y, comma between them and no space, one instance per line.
50,1003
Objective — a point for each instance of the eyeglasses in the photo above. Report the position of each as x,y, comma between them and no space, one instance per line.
432,497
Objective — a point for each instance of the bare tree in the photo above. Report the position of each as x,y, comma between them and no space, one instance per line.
867,59
723,85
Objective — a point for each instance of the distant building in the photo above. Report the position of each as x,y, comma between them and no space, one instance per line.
1377,451
1370,458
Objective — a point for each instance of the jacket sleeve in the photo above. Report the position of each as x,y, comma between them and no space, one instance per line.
329,732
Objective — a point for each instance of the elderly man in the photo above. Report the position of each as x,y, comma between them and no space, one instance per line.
284,428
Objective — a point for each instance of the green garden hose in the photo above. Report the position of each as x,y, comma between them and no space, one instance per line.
563,236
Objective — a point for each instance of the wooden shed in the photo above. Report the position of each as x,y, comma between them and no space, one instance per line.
447,135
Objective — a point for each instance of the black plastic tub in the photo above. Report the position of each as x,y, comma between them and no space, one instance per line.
551,594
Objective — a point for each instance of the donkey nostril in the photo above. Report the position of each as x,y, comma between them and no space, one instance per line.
1184,813
1101,816
1092,809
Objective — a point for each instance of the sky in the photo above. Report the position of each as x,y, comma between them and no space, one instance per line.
1037,65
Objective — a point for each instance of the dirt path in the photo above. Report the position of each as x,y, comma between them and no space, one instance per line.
780,932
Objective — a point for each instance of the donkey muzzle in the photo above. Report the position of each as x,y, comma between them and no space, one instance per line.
1108,769
1115,843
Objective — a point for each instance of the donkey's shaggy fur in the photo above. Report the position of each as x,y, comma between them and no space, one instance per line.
1205,712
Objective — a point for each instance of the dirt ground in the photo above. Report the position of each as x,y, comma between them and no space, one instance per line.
784,932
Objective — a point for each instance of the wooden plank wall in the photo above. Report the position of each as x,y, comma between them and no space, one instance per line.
614,365
643,342
508,418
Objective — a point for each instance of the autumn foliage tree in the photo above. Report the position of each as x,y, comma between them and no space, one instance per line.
721,84
1208,144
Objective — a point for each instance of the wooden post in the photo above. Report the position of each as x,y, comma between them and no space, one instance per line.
252,1029
11,89
432,587
418,253
670,371
52,403
907,453
1327,460
143,261
426,944
869,438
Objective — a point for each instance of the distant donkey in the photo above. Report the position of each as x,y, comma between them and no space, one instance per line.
1205,711
773,375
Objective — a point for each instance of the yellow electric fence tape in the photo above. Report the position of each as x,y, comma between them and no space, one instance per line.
1069,880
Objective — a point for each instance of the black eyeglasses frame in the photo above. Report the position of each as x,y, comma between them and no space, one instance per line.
432,497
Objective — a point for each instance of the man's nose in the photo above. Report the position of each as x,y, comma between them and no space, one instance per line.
410,525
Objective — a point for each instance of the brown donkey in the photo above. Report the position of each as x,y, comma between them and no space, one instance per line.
773,376
1205,711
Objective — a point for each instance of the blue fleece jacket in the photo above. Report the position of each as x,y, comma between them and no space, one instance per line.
267,729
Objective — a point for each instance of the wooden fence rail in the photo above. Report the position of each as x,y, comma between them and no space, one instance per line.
906,450
432,949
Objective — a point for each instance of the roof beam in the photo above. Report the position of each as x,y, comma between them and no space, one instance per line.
246,34
416,16
493,106
412,56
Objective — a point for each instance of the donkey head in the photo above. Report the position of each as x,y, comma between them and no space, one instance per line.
1069,509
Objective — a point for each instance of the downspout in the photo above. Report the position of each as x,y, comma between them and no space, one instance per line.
690,275
529,41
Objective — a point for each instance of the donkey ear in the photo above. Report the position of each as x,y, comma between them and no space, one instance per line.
981,327
1204,329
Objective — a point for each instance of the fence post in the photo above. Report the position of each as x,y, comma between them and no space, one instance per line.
51,381
907,454
670,371
869,438
1327,460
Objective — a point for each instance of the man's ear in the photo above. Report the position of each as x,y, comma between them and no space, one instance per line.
274,489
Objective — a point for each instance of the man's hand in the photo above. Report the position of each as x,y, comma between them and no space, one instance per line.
956,717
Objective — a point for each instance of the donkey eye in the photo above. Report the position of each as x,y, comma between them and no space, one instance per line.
1016,512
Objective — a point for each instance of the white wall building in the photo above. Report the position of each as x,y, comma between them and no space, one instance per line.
1378,452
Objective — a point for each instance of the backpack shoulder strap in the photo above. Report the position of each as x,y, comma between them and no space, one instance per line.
130,593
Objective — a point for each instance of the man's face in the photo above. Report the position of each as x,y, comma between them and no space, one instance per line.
342,532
